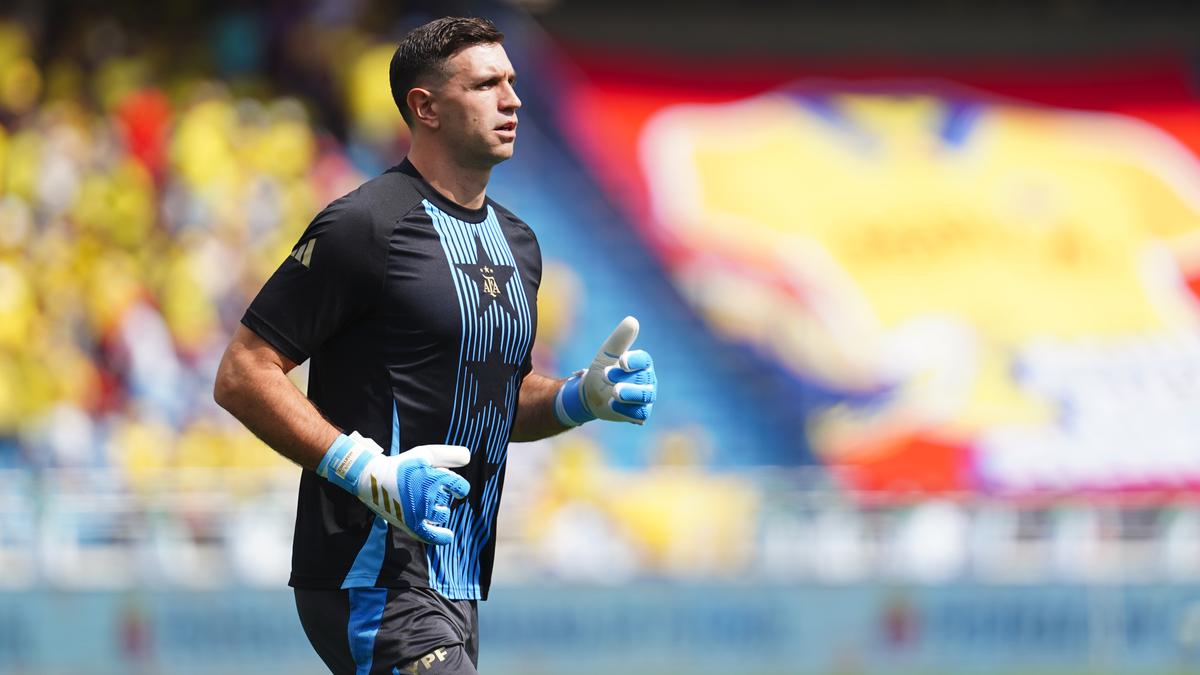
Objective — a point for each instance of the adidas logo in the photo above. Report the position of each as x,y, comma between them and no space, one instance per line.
389,502
303,252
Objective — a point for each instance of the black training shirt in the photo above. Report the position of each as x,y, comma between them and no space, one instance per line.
419,316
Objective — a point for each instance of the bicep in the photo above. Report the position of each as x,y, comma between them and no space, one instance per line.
247,347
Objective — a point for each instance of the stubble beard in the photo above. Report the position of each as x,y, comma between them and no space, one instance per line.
479,154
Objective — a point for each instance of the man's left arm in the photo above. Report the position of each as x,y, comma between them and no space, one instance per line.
535,409
620,385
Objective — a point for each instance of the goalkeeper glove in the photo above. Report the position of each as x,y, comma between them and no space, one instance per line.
619,386
411,490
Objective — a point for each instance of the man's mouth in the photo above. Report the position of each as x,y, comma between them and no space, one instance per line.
507,126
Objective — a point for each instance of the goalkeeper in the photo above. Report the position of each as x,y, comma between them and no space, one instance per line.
415,299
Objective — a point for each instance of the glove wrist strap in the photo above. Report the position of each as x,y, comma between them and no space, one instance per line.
345,461
569,406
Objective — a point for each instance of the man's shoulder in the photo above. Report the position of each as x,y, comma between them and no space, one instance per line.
380,200
506,215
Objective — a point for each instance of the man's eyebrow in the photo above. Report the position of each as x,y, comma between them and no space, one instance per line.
494,77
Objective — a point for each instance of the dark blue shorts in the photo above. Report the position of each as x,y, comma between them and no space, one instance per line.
365,631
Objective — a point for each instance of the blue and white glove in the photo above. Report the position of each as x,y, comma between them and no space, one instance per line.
412,490
619,386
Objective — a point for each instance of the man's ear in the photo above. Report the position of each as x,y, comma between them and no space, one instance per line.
424,111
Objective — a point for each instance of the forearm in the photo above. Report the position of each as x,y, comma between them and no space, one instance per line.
535,412
259,394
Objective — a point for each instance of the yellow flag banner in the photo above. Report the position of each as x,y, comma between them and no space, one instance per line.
1003,289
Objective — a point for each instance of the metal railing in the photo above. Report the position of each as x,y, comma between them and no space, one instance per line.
216,528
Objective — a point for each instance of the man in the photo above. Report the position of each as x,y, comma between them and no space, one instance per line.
415,296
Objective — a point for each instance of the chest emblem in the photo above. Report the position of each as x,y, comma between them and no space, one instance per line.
491,279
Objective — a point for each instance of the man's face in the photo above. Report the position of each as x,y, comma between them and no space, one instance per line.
477,105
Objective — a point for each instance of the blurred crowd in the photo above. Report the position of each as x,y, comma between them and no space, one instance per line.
139,214
150,181
148,187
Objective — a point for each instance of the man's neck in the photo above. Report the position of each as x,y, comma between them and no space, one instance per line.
465,186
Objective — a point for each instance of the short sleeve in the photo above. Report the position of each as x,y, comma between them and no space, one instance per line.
531,263
333,276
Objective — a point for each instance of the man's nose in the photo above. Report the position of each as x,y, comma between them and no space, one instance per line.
510,100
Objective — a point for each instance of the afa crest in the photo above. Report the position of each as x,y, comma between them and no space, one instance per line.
491,278
489,281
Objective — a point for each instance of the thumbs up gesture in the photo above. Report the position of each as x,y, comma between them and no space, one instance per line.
619,386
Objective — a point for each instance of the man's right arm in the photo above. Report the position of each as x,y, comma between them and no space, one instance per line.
252,384
311,296
412,490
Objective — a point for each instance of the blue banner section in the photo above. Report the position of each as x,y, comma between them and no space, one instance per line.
1047,629
227,631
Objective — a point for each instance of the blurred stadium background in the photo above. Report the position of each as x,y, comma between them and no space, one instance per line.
922,282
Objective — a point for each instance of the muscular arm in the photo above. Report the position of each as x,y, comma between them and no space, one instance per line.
535,411
252,384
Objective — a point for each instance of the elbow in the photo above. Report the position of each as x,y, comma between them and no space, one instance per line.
221,393
225,385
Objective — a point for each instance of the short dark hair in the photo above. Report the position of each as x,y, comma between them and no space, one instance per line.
427,47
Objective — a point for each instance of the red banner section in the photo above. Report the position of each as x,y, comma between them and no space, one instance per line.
1003,261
